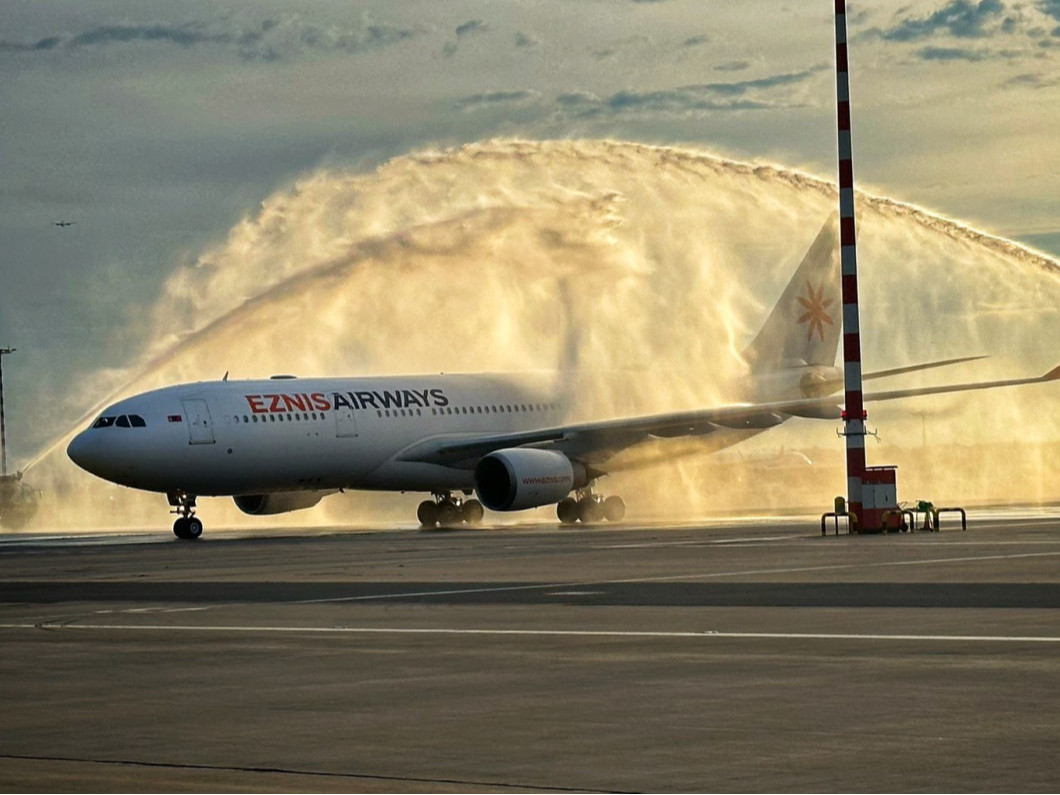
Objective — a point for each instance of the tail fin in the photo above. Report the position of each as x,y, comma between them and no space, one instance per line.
806,323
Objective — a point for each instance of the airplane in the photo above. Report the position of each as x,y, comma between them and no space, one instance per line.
284,443
62,224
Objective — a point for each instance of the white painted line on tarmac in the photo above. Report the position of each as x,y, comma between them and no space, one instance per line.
561,633
702,542
552,586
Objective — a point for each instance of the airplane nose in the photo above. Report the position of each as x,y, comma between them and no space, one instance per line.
84,450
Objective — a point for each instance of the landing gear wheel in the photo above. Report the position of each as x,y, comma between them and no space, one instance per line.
427,513
567,510
192,527
590,511
187,528
614,509
472,511
448,514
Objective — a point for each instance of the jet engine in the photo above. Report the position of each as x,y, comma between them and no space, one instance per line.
511,480
278,502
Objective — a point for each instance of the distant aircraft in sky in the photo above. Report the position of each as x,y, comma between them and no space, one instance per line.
64,223
285,443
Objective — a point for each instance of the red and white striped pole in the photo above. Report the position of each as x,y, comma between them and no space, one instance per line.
854,416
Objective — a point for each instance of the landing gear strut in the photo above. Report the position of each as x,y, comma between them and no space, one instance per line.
187,526
449,510
589,508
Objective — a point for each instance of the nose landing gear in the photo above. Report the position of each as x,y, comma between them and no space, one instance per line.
447,510
187,526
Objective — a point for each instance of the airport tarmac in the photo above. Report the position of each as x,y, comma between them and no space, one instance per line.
732,656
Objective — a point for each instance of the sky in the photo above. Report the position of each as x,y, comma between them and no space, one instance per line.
157,126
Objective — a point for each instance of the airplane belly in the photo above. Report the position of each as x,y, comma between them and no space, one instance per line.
417,476
240,461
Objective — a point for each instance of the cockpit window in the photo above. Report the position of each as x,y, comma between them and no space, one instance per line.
123,421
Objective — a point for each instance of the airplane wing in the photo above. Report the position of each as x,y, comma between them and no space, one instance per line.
599,440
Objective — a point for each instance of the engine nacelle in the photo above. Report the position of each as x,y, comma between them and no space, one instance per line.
278,502
512,480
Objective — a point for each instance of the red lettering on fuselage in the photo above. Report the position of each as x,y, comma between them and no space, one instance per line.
284,403
292,402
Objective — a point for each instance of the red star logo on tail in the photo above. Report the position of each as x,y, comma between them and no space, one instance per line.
815,315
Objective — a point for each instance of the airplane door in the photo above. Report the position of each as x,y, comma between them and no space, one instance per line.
200,428
345,422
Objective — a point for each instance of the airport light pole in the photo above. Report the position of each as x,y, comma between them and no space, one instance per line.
3,424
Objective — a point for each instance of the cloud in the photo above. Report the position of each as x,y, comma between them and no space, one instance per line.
470,27
733,66
756,94
1050,8
494,98
1032,81
526,41
960,18
268,39
952,54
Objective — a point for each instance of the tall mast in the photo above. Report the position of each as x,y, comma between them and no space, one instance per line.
3,422
854,416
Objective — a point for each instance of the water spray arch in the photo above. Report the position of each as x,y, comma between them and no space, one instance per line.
666,259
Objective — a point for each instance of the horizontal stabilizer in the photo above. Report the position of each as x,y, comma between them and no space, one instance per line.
1052,375
914,368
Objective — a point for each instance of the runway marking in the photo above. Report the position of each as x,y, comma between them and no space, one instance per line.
291,771
578,633
698,543
663,578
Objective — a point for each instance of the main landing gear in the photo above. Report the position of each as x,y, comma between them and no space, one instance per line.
589,508
447,510
187,526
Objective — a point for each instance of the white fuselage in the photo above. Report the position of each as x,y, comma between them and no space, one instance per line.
249,437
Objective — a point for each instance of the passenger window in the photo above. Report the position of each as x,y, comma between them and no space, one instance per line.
123,421
103,422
